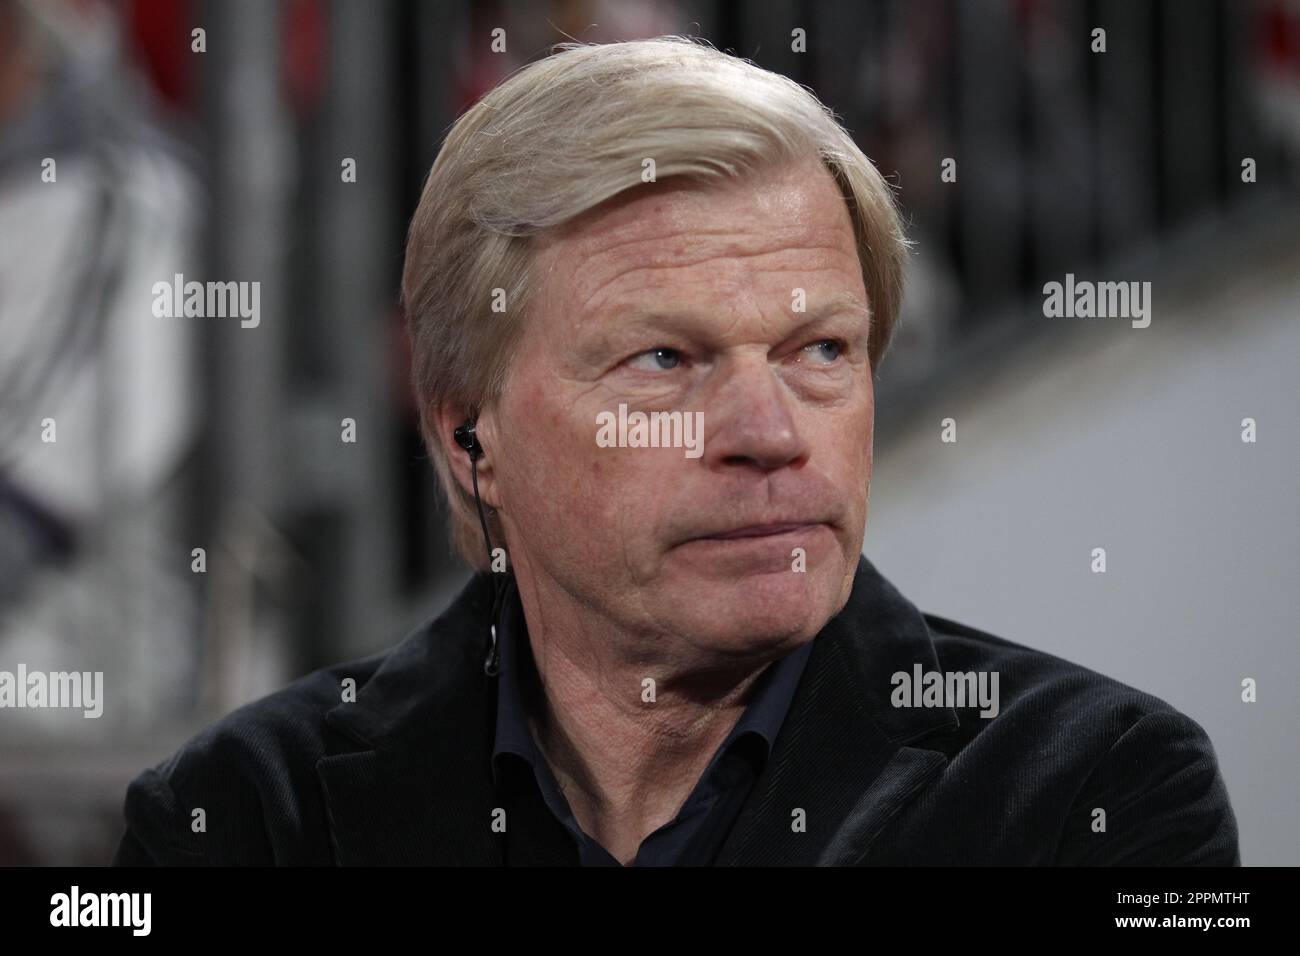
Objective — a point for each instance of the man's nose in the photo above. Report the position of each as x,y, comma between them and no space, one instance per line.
751,418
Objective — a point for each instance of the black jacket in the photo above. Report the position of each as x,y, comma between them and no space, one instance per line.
402,775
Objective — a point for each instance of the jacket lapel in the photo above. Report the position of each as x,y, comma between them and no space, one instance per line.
845,757
408,781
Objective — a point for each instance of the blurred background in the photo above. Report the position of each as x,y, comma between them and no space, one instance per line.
1071,434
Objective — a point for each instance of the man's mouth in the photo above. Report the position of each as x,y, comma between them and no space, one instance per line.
761,530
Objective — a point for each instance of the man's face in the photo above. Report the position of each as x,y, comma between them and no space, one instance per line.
681,297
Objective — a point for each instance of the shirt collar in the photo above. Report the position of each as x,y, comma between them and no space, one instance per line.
762,718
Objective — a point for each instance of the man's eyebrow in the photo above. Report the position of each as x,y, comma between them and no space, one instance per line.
619,318
842,302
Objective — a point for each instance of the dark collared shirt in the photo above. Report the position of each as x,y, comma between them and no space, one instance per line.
695,835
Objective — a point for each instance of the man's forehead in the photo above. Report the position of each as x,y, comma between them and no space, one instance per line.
800,197
662,253
723,257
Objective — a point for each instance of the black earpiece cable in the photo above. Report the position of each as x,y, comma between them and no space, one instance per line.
466,438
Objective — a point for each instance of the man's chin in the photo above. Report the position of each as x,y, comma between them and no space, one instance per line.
774,606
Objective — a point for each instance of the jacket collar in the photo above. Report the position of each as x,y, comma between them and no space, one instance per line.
847,757
761,719
406,780
408,776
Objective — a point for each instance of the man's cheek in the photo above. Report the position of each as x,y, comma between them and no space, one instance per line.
615,489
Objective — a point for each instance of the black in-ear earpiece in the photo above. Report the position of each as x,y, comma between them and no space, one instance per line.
466,439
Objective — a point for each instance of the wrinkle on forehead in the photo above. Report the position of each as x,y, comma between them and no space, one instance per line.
673,206
725,267
673,229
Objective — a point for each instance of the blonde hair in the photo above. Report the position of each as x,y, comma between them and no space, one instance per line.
566,133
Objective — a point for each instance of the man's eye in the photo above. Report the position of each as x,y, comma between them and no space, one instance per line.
659,360
828,349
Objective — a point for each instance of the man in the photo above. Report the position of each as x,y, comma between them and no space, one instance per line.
691,662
